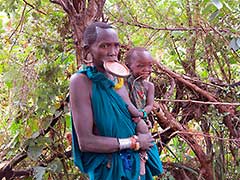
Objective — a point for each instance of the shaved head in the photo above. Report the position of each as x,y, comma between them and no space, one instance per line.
134,53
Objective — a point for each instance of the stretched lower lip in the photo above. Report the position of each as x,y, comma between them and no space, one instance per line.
111,60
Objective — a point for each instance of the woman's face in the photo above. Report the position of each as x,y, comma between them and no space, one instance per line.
105,48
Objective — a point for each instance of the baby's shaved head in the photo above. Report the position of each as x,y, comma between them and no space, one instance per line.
133,53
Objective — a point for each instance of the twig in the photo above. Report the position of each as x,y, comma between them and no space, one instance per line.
145,26
21,20
175,47
34,7
198,81
200,176
200,102
205,135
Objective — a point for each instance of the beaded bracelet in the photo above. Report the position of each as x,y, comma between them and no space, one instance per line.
137,144
144,113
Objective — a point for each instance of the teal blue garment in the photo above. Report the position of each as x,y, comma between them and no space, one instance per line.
112,119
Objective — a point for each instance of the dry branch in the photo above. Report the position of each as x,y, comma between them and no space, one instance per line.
165,119
80,15
145,26
222,108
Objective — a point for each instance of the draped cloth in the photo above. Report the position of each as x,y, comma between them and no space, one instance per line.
137,92
138,96
112,119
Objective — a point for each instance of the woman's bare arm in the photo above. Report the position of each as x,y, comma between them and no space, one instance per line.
80,99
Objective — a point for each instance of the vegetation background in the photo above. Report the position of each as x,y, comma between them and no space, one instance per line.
197,79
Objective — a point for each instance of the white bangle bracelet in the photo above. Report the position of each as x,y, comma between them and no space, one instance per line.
124,143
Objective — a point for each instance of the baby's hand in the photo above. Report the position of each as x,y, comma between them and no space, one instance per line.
149,124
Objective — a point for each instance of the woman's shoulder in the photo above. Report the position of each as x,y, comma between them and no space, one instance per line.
79,79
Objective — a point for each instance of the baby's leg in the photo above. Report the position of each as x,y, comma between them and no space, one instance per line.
143,159
142,127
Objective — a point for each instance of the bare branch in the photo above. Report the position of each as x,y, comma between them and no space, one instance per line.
40,11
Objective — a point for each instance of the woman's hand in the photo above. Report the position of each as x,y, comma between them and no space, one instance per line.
145,141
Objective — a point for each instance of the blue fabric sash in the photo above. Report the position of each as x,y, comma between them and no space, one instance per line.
112,119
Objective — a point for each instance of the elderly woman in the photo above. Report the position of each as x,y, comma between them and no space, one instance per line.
104,142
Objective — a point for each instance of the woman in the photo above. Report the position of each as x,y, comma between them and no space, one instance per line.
104,141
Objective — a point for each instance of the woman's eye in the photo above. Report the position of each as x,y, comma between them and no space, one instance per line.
104,46
117,45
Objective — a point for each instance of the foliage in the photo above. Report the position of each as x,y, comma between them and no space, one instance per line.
199,39
209,54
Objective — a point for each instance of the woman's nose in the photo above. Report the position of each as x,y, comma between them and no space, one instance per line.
113,51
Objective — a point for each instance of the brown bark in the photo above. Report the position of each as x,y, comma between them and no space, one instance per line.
167,120
81,13
223,109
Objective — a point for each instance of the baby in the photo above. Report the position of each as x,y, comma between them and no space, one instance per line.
139,92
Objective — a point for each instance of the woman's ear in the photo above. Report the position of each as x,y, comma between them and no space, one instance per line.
88,58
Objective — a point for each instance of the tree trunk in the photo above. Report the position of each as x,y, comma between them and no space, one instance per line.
81,13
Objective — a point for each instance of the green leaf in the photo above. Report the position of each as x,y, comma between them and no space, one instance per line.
213,15
238,42
38,172
34,150
55,166
235,44
36,147
35,135
68,120
204,74
218,4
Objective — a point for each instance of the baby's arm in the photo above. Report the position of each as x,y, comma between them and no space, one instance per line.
132,109
150,97
136,114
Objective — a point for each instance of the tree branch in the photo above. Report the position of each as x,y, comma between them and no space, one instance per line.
40,11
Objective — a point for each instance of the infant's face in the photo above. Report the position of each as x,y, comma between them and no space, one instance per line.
141,65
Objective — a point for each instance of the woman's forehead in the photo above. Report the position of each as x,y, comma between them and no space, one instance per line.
108,34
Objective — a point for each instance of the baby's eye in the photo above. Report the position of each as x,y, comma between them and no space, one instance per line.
140,65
